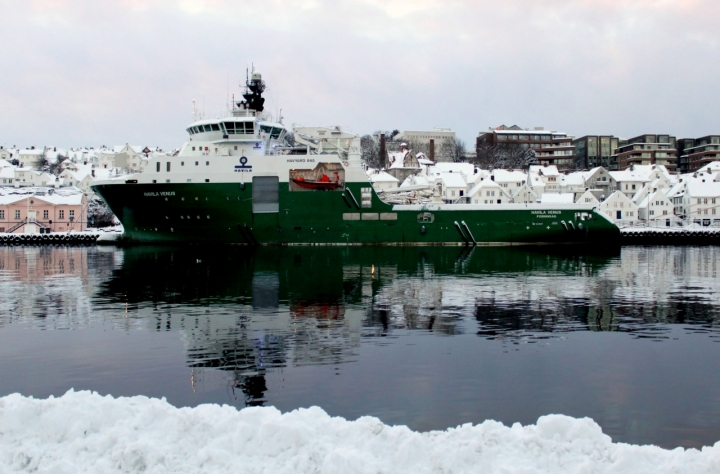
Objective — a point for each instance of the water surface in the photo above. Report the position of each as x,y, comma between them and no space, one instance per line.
426,337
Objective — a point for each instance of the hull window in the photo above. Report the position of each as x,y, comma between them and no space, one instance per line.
265,194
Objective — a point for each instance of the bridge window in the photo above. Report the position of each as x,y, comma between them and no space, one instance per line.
215,127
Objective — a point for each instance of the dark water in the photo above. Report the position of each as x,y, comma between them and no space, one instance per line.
427,337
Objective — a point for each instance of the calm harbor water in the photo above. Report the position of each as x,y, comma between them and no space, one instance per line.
426,337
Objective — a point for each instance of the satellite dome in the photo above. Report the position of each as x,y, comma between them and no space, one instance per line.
256,76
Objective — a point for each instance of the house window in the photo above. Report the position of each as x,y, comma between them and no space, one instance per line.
46,214
2,215
72,213
61,214
17,213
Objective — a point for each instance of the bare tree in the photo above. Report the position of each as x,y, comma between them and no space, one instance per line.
454,149
505,156
370,152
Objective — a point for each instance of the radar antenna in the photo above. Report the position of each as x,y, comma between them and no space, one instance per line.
254,87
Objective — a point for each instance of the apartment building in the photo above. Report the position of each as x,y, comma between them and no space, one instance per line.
595,150
550,147
694,153
646,149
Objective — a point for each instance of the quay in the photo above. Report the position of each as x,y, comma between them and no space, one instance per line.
670,236
49,239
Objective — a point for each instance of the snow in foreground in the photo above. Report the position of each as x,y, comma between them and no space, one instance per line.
84,432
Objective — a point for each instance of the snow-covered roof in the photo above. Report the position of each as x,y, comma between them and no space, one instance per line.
35,152
136,148
711,167
383,177
465,168
453,180
629,175
577,178
586,194
699,189
61,196
618,196
7,172
484,184
550,170
557,198
509,176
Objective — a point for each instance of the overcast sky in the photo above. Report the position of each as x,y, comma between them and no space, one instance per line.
88,72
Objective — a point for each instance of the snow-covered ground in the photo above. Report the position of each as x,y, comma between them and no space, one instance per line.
85,432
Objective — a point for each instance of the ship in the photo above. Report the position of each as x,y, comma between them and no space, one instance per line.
247,179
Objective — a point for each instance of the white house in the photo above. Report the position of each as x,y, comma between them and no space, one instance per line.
31,158
656,206
701,200
544,179
509,180
587,198
619,207
127,157
31,177
453,187
5,154
488,191
631,180
601,180
525,195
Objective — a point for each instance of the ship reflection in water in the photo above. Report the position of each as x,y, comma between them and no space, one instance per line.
423,335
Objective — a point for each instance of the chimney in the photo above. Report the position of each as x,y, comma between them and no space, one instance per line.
431,151
383,151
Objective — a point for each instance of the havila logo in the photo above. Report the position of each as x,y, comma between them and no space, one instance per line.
244,167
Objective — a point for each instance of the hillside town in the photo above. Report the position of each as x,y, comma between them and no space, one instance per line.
653,180
647,180
46,190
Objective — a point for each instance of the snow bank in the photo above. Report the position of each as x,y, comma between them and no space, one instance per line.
84,432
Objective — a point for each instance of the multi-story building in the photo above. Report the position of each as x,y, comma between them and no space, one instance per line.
646,149
421,139
595,150
550,147
694,153
45,209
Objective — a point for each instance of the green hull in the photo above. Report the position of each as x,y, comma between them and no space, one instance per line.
223,212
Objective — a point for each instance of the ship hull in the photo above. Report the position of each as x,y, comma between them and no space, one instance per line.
223,213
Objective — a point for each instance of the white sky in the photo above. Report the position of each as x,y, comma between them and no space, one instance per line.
88,72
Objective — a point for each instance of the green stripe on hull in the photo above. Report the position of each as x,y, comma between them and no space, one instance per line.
223,212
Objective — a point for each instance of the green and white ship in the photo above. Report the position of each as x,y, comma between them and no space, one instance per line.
237,180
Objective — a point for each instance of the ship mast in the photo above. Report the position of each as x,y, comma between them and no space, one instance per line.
254,87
